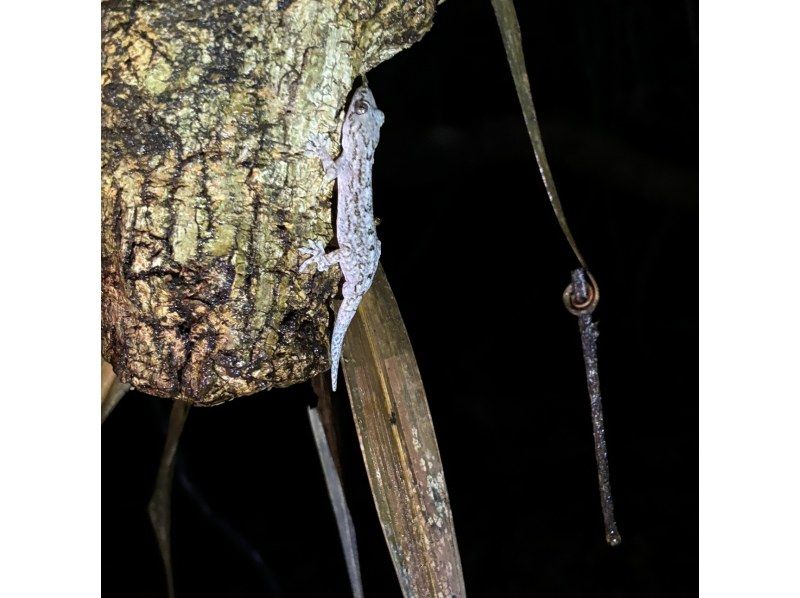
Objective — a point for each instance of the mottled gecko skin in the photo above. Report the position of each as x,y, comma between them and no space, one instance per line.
359,247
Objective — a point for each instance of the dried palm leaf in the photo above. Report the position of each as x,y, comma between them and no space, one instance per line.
399,447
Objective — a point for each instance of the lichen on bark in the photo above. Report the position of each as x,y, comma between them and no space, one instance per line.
207,195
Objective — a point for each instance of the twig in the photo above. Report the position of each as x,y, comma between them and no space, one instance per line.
581,298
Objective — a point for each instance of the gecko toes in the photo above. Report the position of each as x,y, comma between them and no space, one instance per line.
314,247
312,260
316,250
315,146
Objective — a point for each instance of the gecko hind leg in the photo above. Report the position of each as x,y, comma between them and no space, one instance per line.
316,251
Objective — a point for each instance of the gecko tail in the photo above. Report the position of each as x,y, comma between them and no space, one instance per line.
343,318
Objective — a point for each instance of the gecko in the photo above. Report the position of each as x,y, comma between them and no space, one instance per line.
359,248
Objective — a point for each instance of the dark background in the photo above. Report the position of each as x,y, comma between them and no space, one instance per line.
478,264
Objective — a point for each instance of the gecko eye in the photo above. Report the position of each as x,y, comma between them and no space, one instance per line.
361,106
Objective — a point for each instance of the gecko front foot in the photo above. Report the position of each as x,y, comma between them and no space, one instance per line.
322,260
315,148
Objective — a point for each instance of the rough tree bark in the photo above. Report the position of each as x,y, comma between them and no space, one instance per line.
206,193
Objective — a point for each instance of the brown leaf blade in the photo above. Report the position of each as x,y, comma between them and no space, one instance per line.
399,446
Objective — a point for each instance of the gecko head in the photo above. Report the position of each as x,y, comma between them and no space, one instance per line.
363,117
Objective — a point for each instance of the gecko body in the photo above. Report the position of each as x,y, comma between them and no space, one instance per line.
359,248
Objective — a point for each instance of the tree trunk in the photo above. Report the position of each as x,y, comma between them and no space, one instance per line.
206,193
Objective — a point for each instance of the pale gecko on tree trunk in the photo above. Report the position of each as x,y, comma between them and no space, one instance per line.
359,247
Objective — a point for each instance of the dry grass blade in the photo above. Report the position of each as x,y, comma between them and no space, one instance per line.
159,507
399,447
111,389
512,40
325,442
321,384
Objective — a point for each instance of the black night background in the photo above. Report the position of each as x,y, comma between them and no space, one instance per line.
478,264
